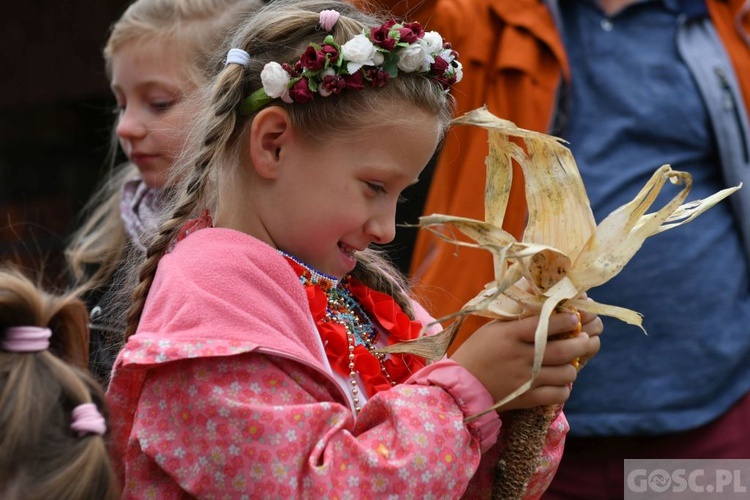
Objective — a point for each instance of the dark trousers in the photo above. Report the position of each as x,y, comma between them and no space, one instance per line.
593,467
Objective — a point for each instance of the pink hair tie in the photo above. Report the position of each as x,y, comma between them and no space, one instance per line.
88,420
26,339
328,19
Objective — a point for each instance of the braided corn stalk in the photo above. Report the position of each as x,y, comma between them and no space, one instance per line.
563,253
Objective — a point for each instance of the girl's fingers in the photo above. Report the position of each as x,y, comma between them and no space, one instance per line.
560,375
540,396
563,351
563,322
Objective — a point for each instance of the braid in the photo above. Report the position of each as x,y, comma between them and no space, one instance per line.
218,133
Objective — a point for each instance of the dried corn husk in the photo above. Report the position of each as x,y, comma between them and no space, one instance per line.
563,253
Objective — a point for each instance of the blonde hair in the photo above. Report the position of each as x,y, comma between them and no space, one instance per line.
197,28
40,456
280,32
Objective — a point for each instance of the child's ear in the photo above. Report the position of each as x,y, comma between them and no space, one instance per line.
269,133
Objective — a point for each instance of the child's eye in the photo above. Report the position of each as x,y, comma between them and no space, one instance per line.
118,109
161,105
376,188
402,199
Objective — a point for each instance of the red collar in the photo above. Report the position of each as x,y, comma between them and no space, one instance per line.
384,312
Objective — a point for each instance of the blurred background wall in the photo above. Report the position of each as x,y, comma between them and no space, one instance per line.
55,120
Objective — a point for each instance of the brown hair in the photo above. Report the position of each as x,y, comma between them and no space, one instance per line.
40,456
280,32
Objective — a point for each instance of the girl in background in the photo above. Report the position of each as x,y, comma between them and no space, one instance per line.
251,364
51,428
156,57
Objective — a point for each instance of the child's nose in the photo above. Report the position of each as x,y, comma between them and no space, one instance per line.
382,228
129,125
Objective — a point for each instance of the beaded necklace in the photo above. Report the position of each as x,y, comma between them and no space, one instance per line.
337,305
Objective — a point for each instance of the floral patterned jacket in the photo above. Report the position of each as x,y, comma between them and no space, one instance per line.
224,392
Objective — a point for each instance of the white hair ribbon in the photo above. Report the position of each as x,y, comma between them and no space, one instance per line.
237,56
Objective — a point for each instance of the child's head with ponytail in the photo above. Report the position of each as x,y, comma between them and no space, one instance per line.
51,422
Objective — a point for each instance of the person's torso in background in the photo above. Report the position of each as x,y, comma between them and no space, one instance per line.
632,106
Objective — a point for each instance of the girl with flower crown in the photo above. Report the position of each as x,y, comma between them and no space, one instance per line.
51,427
253,363
156,56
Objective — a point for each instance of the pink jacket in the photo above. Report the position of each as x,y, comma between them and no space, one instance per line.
223,391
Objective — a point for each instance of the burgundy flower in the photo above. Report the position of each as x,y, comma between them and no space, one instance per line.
411,32
331,84
331,52
381,37
300,92
439,66
294,71
312,59
377,77
446,82
355,81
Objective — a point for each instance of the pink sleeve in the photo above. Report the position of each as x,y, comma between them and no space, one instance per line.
254,424
468,392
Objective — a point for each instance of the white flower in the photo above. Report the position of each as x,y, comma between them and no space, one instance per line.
458,70
360,51
275,80
448,55
432,42
414,58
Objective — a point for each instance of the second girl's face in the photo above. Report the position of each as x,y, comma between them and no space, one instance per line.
150,87
339,196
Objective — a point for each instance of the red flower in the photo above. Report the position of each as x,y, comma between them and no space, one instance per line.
294,71
312,59
355,81
445,82
301,92
381,37
377,77
411,32
331,52
331,84
439,66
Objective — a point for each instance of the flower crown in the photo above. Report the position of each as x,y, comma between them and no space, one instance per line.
367,59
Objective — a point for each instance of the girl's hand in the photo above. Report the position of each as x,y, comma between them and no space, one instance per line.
501,353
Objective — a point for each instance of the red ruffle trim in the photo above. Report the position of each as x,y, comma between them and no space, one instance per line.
386,314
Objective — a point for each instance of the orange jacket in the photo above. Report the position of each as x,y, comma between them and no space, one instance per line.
514,61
